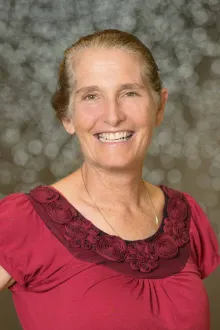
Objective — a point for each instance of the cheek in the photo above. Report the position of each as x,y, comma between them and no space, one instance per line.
86,115
142,115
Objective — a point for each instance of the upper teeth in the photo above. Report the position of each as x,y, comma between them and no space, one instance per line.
114,136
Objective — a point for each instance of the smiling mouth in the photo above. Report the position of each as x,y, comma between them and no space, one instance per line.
115,137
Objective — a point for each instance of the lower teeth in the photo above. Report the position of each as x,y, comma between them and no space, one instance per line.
117,140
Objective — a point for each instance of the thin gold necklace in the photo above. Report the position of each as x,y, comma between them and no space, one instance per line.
157,221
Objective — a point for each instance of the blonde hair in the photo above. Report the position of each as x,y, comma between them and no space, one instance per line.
103,39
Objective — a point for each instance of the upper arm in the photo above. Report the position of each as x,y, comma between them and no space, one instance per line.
5,279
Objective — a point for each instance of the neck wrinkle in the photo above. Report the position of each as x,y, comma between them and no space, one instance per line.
112,189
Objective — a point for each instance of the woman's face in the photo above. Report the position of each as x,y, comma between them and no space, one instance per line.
113,112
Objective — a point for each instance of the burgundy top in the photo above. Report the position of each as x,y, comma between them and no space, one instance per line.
71,275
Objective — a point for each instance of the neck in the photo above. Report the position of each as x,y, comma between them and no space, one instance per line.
113,188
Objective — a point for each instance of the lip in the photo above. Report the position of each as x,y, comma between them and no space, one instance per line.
124,130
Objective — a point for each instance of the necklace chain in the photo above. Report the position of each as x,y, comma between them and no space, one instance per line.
157,221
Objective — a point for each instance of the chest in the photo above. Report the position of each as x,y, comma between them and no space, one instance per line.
131,224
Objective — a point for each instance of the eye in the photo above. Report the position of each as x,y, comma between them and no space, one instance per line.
90,97
131,94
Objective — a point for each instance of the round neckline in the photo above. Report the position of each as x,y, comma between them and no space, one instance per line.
102,233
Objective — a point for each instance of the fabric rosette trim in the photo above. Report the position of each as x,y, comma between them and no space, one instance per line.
59,210
44,195
142,255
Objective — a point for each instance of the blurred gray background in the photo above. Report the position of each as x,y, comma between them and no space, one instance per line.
184,37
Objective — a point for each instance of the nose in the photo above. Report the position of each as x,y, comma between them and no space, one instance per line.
113,113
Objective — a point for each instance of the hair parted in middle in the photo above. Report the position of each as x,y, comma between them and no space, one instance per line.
106,39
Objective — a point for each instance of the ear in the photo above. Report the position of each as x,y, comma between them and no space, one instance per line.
161,108
68,125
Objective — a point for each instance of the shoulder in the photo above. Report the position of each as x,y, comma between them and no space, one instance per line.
204,243
183,202
19,220
29,251
13,198
181,195
17,217
70,187
179,199
16,233
14,205
156,194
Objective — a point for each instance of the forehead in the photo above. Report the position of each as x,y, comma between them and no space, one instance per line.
98,62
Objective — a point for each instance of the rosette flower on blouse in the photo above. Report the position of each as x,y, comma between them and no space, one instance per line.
76,231
166,246
168,226
136,247
177,208
151,251
146,267
60,211
183,239
142,256
44,195
174,228
111,248
178,228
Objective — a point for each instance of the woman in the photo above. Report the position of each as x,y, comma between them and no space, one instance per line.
101,248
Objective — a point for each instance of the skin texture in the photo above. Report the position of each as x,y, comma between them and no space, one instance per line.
113,172
102,101
110,107
5,279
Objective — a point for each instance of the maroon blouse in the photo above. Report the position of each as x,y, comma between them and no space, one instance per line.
71,275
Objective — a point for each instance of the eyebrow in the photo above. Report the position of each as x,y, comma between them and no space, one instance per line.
121,88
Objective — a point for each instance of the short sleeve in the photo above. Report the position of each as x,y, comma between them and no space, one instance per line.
204,243
29,252
16,236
